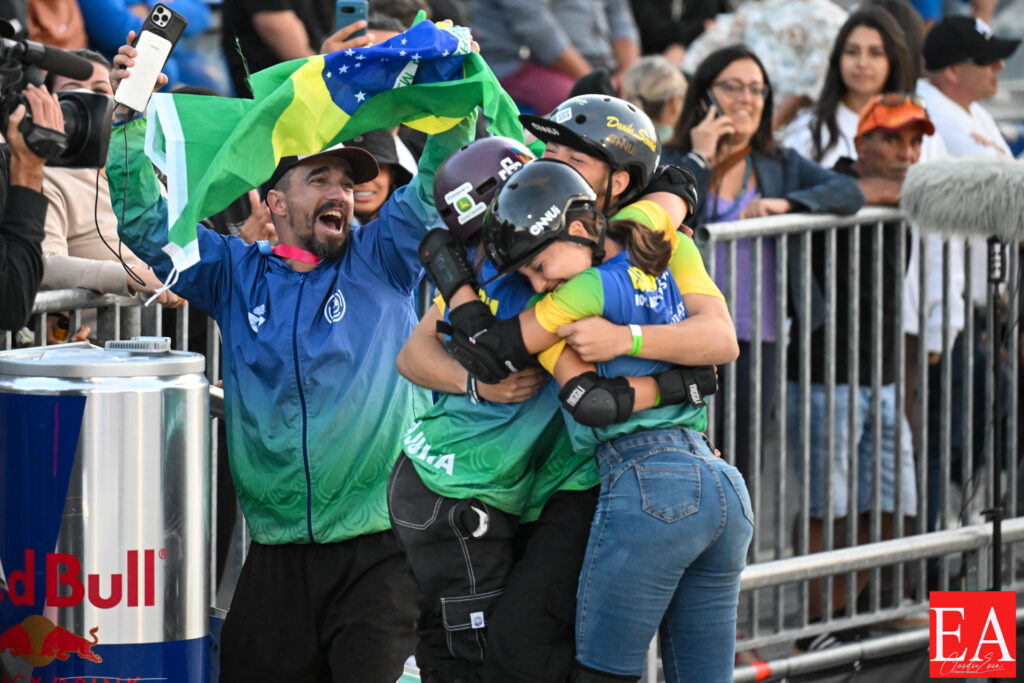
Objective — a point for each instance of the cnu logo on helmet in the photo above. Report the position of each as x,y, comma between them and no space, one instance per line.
529,212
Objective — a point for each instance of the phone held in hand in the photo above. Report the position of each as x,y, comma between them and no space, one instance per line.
157,38
711,102
348,12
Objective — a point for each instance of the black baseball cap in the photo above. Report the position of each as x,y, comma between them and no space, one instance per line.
960,39
381,144
364,167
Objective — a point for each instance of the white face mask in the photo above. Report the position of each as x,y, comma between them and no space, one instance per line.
665,132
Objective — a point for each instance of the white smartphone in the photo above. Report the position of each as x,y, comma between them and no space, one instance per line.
158,36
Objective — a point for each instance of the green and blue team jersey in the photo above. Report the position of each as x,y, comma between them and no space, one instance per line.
623,294
463,449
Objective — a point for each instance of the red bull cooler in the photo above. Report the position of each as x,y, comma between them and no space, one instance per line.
104,514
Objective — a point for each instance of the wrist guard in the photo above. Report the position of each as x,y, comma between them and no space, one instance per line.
489,349
677,181
687,384
598,401
446,262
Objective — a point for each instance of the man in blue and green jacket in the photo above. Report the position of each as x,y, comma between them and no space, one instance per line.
315,408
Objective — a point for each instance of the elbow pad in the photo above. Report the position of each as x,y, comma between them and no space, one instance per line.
598,401
687,384
677,181
445,259
489,349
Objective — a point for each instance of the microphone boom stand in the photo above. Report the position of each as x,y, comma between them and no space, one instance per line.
996,276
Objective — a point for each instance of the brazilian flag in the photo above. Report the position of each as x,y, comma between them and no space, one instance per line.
215,149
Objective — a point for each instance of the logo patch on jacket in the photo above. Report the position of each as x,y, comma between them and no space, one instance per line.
334,309
256,317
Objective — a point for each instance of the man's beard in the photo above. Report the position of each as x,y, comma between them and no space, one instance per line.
335,248
326,252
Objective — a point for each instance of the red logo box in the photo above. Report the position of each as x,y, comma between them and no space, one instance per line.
972,634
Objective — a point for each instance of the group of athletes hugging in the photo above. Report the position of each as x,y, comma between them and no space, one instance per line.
552,537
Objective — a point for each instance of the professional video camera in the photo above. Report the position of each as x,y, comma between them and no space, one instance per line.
86,115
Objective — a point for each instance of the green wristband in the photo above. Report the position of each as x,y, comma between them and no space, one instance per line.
638,339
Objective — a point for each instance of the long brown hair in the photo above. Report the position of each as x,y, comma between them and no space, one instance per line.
648,249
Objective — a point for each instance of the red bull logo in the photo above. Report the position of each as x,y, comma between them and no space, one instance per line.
65,586
39,641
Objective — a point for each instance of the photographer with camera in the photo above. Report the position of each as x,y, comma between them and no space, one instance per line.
24,209
81,248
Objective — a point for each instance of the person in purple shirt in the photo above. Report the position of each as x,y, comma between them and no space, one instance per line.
724,137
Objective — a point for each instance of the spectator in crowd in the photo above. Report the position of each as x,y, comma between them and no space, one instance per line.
455,10
24,210
657,87
669,32
315,412
56,22
402,10
368,197
888,140
869,57
932,10
740,174
82,248
962,62
272,31
912,30
108,21
792,37
564,40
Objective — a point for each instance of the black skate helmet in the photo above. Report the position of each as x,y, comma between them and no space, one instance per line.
529,213
606,127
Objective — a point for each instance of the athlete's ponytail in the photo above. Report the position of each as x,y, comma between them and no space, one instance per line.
648,250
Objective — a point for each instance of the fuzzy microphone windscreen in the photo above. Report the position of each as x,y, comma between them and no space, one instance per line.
981,196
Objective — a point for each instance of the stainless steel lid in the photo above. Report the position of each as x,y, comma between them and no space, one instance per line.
141,356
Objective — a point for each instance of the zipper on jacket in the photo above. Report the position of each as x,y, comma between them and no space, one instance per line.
302,402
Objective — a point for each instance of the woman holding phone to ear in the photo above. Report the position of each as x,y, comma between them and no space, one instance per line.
741,174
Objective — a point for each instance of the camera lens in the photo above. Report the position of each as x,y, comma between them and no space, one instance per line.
74,118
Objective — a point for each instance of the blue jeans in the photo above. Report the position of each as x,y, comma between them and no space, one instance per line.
667,545
840,453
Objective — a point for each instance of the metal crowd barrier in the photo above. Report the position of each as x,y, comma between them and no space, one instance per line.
960,419
776,586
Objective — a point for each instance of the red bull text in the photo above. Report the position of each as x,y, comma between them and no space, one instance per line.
64,575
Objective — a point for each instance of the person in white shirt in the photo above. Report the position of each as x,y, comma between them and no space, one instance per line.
962,64
869,57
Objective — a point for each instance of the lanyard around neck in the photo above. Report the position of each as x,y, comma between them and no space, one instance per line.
747,171
296,254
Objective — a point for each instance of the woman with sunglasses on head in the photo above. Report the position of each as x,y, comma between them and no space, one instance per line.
660,555
724,137
869,57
